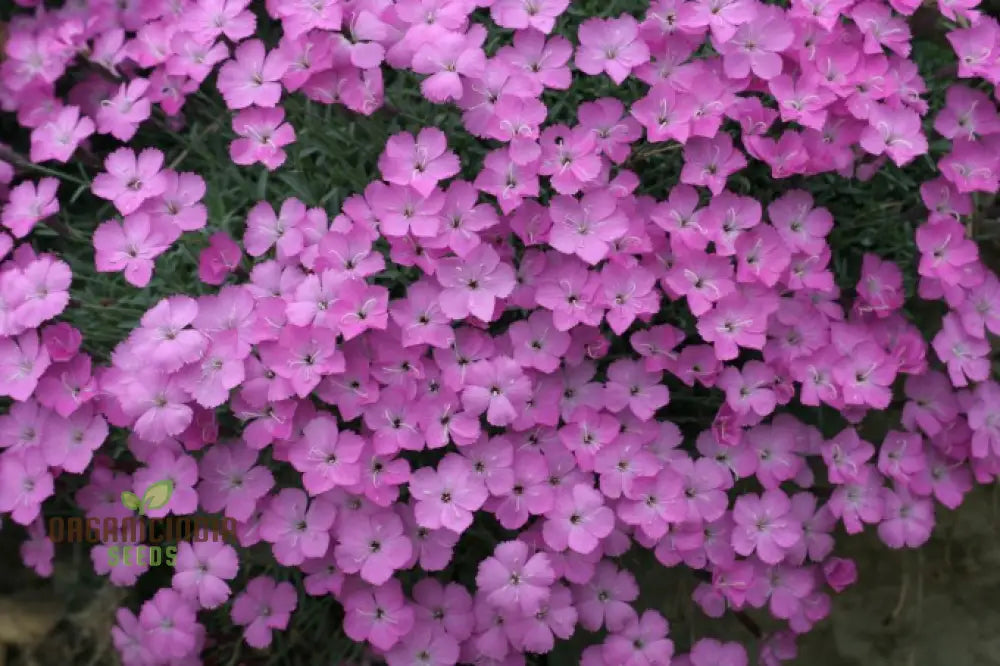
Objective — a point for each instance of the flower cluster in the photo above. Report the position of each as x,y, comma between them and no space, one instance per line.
518,389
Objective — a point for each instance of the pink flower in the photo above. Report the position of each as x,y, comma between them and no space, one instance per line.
586,227
219,259
38,551
262,137
402,209
325,457
537,343
58,138
23,360
764,525
895,132
757,45
265,229
664,113
447,497
300,16
840,573
569,157
262,606
180,470
642,641
170,624
578,521
121,114
231,481
208,19
252,76
25,482
180,204
473,284
41,290
605,599
908,520
611,45
200,570
967,357
129,246
628,294
497,387
297,527
28,204
522,14
709,162
421,162
447,59
722,16
372,545
515,578
379,615
129,180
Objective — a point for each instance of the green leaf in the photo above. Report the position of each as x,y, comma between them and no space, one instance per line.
157,495
130,501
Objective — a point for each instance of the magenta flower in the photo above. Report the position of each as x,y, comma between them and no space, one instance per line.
498,387
58,138
448,496
262,134
606,599
907,520
28,204
372,545
586,227
170,624
325,457
129,180
420,162
709,162
262,606
180,470
201,569
121,114
23,360
266,230
252,76
522,14
447,60
378,615
473,284
578,521
765,525
537,343
612,46
515,578
231,481
967,357
641,642
130,246
297,527
26,482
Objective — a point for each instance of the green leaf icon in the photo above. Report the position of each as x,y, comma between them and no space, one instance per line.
157,496
130,501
